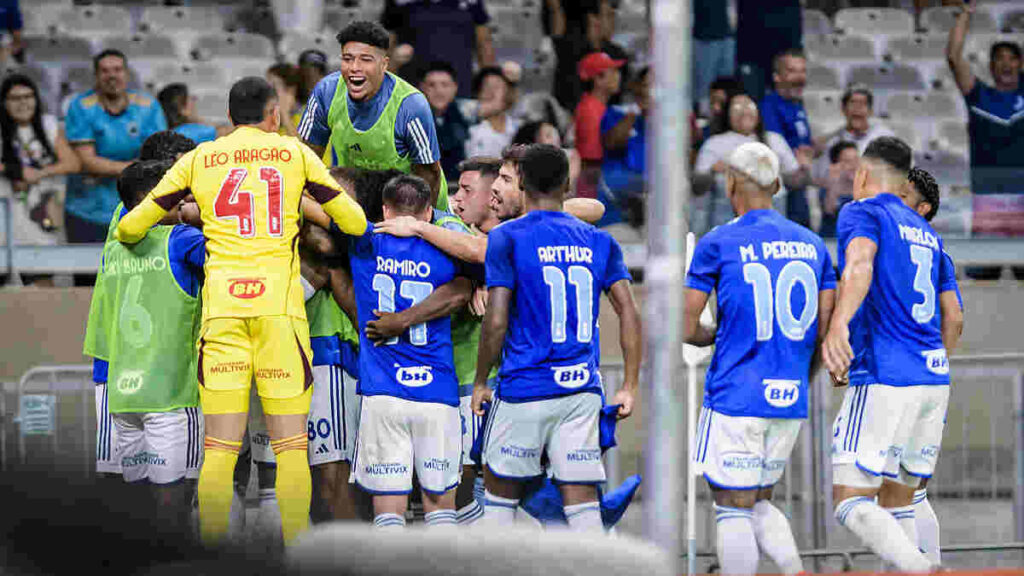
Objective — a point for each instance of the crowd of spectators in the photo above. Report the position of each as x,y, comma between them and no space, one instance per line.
749,77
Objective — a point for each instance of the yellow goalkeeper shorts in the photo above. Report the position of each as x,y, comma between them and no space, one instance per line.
272,350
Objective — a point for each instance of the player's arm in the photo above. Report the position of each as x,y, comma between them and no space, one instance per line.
587,209
172,189
694,332
97,165
854,284
313,129
492,338
826,304
952,320
445,301
345,211
466,247
414,128
955,51
344,292
432,174
631,342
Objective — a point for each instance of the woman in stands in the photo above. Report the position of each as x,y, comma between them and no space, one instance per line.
287,81
742,123
35,156
546,132
180,110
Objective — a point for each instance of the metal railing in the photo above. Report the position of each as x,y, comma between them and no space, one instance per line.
56,417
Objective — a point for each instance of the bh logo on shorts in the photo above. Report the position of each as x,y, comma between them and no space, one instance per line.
129,382
247,288
414,376
571,376
781,393
936,361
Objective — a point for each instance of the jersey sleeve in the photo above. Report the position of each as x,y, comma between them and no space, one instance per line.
616,268
856,220
499,263
190,244
828,271
345,211
155,119
770,117
703,274
172,188
76,124
947,276
415,130
313,127
612,116
787,160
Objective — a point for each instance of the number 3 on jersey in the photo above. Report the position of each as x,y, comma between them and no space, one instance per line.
232,202
766,312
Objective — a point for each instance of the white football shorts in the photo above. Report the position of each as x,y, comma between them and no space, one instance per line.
882,428
161,447
398,436
107,458
743,452
333,416
564,428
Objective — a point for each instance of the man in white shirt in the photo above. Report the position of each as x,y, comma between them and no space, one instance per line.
857,107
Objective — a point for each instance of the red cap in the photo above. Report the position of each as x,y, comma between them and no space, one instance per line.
593,64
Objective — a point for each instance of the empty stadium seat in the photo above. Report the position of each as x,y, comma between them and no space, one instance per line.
816,22
151,47
874,21
903,105
233,46
952,135
825,49
820,77
940,19
909,132
97,20
1013,21
212,105
949,167
916,47
57,48
823,107
185,19
335,20
888,77
293,43
41,21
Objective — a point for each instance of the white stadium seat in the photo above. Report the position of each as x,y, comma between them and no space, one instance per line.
57,48
825,49
233,46
41,21
212,105
187,19
820,77
96,20
888,77
816,22
939,20
823,107
150,47
909,132
874,21
293,43
950,167
916,47
952,135
1013,21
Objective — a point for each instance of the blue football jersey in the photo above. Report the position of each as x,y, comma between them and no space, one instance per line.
767,272
952,270
556,267
897,332
392,274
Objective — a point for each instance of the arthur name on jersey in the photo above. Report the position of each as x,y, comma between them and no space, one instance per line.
403,267
916,235
569,254
780,250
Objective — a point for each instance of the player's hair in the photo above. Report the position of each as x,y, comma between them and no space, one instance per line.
1013,47
858,89
439,66
837,150
787,53
289,73
891,151
728,83
407,194
108,52
366,32
543,170
139,178
487,166
248,100
172,99
513,154
925,184
478,82
369,187
165,145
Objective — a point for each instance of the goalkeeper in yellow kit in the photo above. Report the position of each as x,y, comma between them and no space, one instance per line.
248,186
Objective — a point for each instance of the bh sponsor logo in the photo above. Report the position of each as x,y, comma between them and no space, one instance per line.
513,451
571,376
737,461
584,455
936,361
439,464
414,376
129,382
781,393
247,288
388,469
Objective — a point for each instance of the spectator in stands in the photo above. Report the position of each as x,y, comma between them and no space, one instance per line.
602,77
723,88
710,207
106,127
10,23
765,28
837,187
783,112
446,30
714,49
578,28
287,82
857,106
496,127
35,156
180,110
623,135
440,85
545,132
312,67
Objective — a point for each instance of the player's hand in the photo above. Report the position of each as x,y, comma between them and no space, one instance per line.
839,381
387,325
403,227
481,394
835,350
624,398
188,213
478,303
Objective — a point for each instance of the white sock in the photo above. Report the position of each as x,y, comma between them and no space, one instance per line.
905,516
882,533
440,518
470,513
499,511
927,527
389,521
735,542
584,517
268,517
775,537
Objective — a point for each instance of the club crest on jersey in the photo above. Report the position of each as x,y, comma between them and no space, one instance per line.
414,376
936,361
129,382
781,393
247,288
571,376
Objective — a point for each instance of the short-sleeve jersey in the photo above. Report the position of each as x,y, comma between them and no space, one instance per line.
788,118
996,128
248,185
557,267
392,274
956,286
897,332
767,272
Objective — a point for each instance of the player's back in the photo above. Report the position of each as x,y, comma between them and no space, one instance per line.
392,274
557,268
767,273
897,333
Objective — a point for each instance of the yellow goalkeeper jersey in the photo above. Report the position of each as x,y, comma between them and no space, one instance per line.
248,185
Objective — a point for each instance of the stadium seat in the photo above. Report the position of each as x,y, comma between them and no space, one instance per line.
1013,21
628,18
40,21
335,20
820,77
825,49
904,105
212,105
816,22
874,21
888,77
939,20
150,47
916,47
57,48
233,46
909,132
293,43
185,19
823,107
952,135
95,21
949,167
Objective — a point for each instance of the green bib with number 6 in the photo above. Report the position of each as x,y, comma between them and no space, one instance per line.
151,326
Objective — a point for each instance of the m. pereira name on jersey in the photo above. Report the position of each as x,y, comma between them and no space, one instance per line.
779,250
403,267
